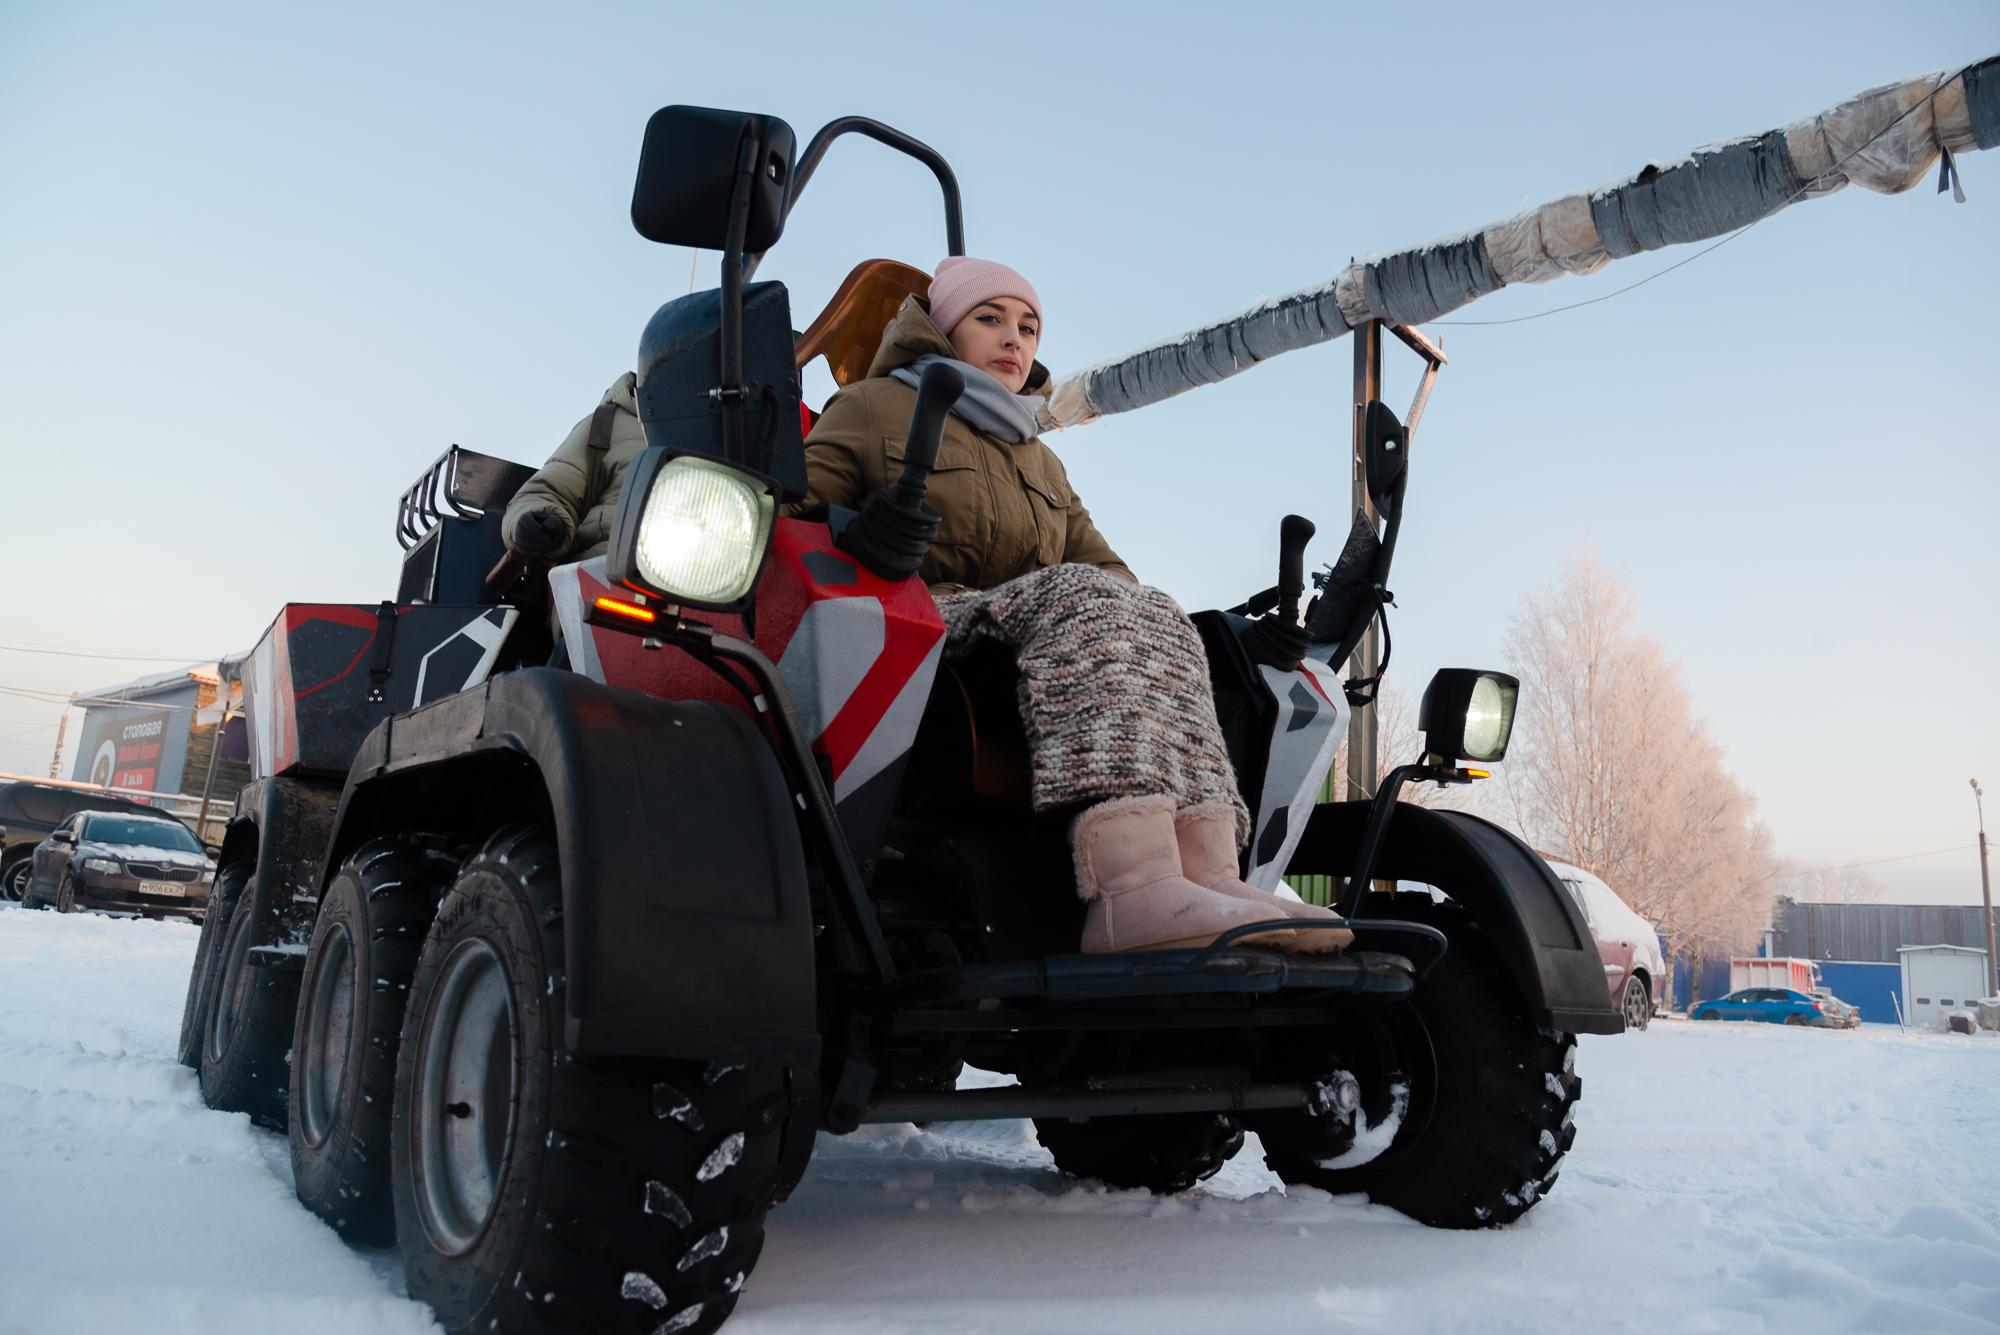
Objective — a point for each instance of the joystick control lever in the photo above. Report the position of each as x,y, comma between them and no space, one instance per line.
1278,639
893,532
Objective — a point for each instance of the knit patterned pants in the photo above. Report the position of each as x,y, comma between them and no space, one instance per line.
1114,688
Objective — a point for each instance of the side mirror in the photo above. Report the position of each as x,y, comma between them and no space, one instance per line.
1468,714
213,850
1386,454
63,837
689,165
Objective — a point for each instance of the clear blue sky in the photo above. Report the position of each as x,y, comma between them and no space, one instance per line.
260,264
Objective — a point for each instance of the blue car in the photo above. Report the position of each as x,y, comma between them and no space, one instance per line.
1774,1005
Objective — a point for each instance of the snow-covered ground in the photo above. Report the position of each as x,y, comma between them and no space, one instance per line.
1724,1179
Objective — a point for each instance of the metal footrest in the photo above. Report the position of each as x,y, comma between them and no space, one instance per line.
1007,1102
1143,975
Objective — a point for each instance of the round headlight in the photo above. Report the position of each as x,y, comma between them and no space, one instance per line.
1489,717
703,532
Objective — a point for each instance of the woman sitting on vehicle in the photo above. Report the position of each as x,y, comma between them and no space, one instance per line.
1114,684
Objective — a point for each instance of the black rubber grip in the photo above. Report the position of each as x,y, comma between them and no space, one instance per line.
1294,532
936,393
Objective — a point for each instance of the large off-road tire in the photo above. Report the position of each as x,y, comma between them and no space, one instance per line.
1163,1153
1490,1101
248,1032
1637,1005
366,939
14,878
202,978
539,1191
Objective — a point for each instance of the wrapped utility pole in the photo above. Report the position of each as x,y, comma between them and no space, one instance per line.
1887,140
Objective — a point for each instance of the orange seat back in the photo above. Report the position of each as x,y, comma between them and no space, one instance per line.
848,332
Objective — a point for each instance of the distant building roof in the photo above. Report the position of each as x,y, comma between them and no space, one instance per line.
141,688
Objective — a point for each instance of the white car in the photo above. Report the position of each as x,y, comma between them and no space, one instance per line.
1634,969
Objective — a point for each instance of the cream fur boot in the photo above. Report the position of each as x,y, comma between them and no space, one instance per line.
1129,869
1207,839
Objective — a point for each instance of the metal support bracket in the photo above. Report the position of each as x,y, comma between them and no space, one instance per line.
1366,659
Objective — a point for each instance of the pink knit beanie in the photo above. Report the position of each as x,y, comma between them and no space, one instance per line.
963,282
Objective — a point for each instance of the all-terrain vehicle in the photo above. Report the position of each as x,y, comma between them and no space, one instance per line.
555,973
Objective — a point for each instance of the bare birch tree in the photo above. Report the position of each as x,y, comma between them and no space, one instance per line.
1611,770
1831,885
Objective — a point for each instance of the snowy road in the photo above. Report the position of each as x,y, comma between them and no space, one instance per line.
1724,1179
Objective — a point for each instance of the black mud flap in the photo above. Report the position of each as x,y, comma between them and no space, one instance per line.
686,909
284,824
1506,887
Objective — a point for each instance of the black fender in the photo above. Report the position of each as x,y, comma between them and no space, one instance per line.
1504,884
687,912
282,826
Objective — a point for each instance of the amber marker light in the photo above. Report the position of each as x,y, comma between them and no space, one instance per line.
1477,773
627,610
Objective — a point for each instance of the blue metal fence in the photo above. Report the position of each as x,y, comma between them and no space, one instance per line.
1867,986
1714,981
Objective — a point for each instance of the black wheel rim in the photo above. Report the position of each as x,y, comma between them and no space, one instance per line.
329,1029
463,1097
1394,1049
235,968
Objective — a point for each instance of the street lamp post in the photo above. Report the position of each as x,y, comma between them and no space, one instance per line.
1985,882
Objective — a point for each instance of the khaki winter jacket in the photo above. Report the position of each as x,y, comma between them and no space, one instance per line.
562,485
1008,509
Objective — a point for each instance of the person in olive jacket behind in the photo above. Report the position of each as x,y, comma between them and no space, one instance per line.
564,512
1114,683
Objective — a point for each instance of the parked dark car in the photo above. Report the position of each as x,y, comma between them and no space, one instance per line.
1772,1005
30,812
1847,1014
122,862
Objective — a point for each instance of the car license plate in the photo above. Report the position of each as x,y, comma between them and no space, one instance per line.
174,888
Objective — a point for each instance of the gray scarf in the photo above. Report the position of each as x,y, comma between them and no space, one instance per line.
986,406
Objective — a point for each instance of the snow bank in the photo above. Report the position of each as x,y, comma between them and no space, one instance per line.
125,1204
1725,1177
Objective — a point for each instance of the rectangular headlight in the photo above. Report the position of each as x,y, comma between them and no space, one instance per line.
703,531
107,866
1467,714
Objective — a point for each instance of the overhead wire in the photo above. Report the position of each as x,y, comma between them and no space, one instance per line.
123,658
1876,862
65,698
44,727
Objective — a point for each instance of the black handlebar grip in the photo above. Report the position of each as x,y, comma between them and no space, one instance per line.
936,393
1294,532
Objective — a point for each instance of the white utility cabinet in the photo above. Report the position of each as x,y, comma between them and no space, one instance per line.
1938,980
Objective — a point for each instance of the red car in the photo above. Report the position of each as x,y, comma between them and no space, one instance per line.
1634,968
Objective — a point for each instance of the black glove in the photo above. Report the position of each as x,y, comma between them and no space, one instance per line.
537,533
1272,640
891,539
